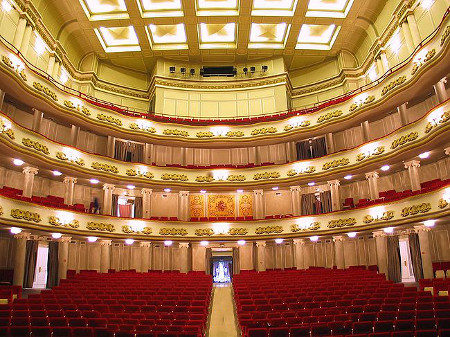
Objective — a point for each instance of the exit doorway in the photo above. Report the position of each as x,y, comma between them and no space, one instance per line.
405,260
40,274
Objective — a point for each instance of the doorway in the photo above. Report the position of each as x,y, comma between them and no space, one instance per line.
40,274
405,260
222,269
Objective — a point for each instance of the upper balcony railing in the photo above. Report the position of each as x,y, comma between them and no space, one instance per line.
263,117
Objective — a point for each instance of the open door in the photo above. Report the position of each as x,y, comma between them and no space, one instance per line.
405,259
40,274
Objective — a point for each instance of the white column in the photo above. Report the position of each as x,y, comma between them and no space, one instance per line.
107,198
28,181
408,38
18,35
74,134
335,195
37,120
381,246
258,204
105,255
330,142
403,114
413,170
299,255
372,178
146,202
261,253
415,33
365,130
339,251
63,256
19,257
69,186
296,200
439,88
183,205
57,66
384,61
379,67
145,256
183,251
425,250
51,64
110,146
26,40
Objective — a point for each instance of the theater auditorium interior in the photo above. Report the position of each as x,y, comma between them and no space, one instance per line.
224,168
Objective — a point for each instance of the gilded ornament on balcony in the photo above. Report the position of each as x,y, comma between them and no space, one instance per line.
175,132
82,109
205,134
109,119
6,60
356,106
268,230
238,231
445,35
25,215
35,145
6,130
129,230
204,179
173,231
416,209
303,124
336,163
442,203
233,134
100,226
399,81
1,210
104,167
379,150
55,221
204,232
418,64
45,90
62,156
135,173
149,129
313,226
174,176
329,115
444,119
341,223
308,170
264,131
236,177
266,175
405,139
388,215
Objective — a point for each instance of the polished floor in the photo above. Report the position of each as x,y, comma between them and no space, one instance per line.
223,321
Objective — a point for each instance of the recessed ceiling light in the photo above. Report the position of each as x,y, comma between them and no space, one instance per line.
424,155
202,191
279,241
92,238
239,191
56,235
131,187
312,183
56,173
241,242
429,223
129,241
385,168
351,234
15,230
93,181
348,177
18,162
314,238
167,190
204,243
275,188
168,243
388,230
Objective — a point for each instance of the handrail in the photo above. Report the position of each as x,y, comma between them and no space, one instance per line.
126,110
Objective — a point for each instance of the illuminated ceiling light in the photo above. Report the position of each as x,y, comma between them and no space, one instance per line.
104,10
56,173
274,7
18,162
204,243
388,230
56,235
6,6
278,241
424,155
348,177
94,181
318,37
163,37
92,238
217,35
312,183
314,238
167,190
202,191
241,242
329,8
217,7
351,234
385,168
264,35
275,188
131,187
168,243
15,230
118,39
429,223
129,241
239,191
160,8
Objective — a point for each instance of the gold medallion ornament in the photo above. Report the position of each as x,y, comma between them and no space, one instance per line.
416,209
263,131
388,215
238,231
303,124
205,134
341,223
443,119
204,232
445,35
443,203
21,71
45,90
233,134
399,81
335,163
268,230
362,156
204,179
418,64
129,230
174,176
62,156
329,115
266,175
175,132
109,119
404,139
104,167
359,105
100,226
313,226
294,172
55,221
82,109
25,215
6,130
35,145
149,129
236,177
134,173
173,231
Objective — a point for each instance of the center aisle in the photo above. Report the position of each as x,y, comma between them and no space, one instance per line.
223,317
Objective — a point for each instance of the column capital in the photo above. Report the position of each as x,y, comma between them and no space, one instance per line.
372,175
334,182
378,234
260,243
183,193
70,180
183,245
23,235
146,191
447,151
412,163
295,188
299,242
108,187
104,243
65,239
30,170
443,80
145,244
422,228
258,192
337,238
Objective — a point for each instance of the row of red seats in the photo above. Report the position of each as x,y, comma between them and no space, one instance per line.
437,284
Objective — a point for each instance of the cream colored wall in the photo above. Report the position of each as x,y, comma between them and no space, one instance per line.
246,256
198,257
7,246
164,206
440,238
278,202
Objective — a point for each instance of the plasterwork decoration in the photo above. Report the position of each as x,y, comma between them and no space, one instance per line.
197,205
6,130
6,60
128,230
356,106
204,179
175,132
405,139
109,119
329,115
221,205
173,231
166,83
174,176
303,124
312,227
25,215
233,134
268,230
444,118
104,167
63,156
134,173
35,145
388,215
1,210
362,156
45,90
205,134
418,64
204,232
236,177
266,175
100,226
245,205
416,209
55,221
445,35
263,131
82,109
335,163
135,126
443,203
308,170
341,223
238,231
399,81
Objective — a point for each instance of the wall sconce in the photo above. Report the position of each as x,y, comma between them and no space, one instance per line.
192,71
252,70
172,70
183,71
264,68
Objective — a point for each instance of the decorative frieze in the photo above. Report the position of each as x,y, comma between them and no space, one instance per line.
329,115
21,71
175,132
6,130
386,216
348,222
55,221
335,163
268,230
204,179
204,232
174,176
307,170
25,215
238,231
136,173
416,209
405,139
104,167
359,105
109,119
303,124
129,230
45,90
263,131
173,231
235,134
443,203
399,81
418,64
366,155
100,226
266,175
313,226
35,145
205,134
236,177
149,129
445,117
77,160
82,109
445,35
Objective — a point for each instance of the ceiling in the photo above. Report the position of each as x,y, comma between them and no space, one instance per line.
134,33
